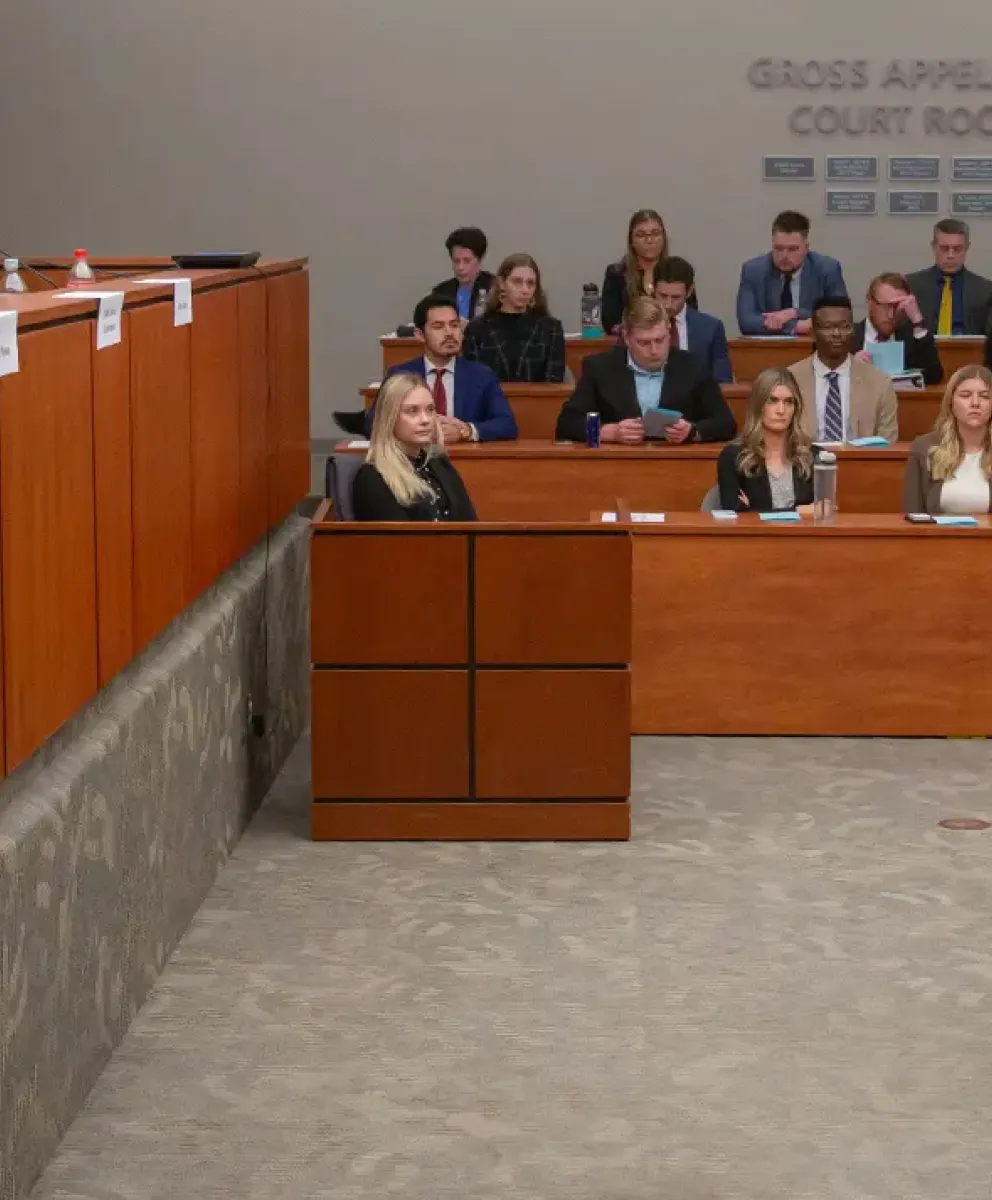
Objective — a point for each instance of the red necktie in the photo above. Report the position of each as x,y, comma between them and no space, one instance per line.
674,326
440,395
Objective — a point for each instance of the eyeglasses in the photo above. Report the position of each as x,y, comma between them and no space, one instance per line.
889,307
847,327
648,235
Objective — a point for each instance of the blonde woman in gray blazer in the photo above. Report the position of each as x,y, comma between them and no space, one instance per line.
949,470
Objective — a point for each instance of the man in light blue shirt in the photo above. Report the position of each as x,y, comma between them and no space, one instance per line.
622,385
648,382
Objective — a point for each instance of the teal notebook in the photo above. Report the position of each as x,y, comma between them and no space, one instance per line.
784,518
868,442
961,520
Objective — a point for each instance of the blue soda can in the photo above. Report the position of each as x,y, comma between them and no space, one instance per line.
592,430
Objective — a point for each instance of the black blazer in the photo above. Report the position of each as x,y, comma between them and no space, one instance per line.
920,353
373,501
538,358
606,386
449,287
757,488
614,294
988,348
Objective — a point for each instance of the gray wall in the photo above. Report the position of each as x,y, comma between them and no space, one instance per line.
361,131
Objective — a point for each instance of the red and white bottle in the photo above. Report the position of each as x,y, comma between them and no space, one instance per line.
80,273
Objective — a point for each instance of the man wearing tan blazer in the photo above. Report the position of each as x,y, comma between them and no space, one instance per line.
843,397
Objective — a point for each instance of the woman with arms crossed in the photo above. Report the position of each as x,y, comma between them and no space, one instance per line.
948,470
770,467
406,475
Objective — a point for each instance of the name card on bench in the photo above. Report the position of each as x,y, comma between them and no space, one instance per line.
108,320
8,343
182,297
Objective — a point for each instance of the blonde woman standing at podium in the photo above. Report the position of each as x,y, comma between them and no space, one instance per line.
948,470
407,476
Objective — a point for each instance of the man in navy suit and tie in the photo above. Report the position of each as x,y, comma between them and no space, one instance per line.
777,291
467,396
699,333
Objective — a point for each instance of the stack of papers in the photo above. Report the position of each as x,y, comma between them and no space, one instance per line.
785,517
956,520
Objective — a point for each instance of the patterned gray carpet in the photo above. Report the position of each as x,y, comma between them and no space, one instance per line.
779,989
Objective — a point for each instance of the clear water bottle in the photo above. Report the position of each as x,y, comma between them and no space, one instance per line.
80,273
12,281
825,489
592,312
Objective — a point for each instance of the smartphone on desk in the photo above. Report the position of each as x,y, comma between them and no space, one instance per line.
657,420
919,518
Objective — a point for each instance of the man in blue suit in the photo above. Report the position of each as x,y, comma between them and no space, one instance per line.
778,290
699,333
470,403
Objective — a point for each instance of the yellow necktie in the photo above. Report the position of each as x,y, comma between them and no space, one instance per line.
945,316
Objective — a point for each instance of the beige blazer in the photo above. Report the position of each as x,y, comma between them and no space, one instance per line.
920,491
873,411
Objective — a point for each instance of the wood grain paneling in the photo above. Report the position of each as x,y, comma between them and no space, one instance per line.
535,481
744,631
389,598
388,734
748,356
161,482
254,385
555,599
560,821
289,392
215,427
112,481
535,406
552,734
48,540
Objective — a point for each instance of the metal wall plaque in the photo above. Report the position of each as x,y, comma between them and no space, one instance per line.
971,204
790,168
843,166
844,202
971,168
914,166
914,204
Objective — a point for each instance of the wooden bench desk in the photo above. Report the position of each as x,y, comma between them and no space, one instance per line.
548,481
504,714
864,628
748,356
536,407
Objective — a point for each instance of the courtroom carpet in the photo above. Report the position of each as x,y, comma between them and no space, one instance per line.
780,988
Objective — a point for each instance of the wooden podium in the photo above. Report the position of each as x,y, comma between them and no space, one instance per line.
470,681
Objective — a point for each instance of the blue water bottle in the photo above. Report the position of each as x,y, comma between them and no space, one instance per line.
594,430
592,312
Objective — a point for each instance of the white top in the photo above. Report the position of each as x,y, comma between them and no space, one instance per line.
967,491
447,373
820,373
871,333
682,326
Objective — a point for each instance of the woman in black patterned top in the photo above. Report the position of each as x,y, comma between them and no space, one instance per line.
407,476
517,337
